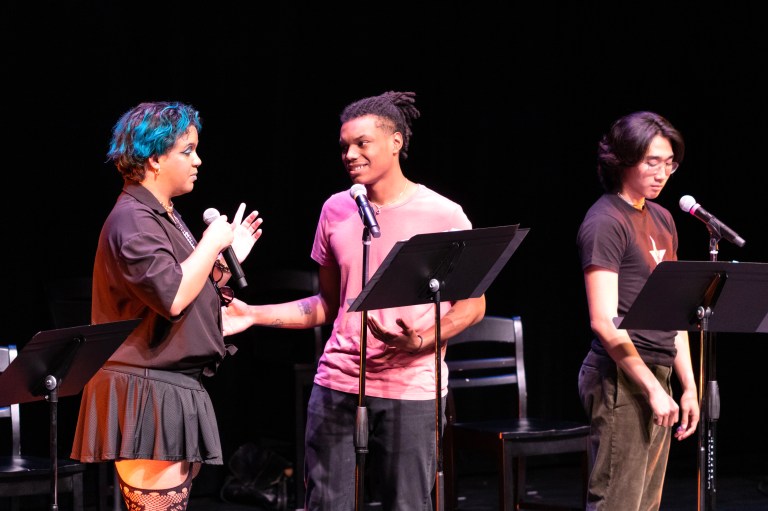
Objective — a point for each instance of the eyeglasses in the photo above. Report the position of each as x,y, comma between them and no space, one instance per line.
653,165
226,294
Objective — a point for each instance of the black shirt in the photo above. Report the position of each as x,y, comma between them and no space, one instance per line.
137,274
616,236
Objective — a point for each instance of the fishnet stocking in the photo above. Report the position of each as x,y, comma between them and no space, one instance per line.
172,499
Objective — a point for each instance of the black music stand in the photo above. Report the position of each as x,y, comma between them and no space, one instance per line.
707,297
58,363
431,268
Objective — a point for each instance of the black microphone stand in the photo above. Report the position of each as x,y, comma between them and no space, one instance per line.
434,289
709,393
361,418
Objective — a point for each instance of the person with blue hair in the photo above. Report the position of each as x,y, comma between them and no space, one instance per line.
147,408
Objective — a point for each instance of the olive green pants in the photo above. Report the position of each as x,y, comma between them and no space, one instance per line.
628,452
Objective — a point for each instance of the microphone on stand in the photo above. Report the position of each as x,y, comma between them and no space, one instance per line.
367,215
209,216
689,205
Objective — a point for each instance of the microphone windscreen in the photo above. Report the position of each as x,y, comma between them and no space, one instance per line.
356,190
687,202
210,215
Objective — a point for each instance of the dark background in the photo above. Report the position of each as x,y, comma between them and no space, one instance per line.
513,102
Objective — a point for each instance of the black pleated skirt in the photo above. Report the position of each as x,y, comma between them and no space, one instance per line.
131,412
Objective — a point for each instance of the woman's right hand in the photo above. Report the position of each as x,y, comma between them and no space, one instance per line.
220,233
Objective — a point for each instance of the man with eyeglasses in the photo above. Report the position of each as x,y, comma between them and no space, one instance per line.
625,380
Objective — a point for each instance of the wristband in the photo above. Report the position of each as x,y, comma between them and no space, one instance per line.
421,343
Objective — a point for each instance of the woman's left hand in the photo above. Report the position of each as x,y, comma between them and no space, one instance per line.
246,230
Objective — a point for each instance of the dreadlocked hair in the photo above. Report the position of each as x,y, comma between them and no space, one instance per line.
396,108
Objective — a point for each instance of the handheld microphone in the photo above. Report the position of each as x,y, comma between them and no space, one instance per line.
689,205
209,216
367,215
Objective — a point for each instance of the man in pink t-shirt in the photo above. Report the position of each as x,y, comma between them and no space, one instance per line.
399,370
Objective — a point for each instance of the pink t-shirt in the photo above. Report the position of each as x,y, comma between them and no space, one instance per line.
390,373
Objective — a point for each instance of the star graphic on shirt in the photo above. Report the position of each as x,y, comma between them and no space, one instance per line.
658,255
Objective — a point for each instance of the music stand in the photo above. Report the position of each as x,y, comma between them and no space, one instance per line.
58,363
435,267
708,297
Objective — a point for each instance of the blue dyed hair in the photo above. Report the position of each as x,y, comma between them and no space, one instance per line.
146,130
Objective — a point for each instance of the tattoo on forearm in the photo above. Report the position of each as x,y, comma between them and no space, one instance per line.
305,307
